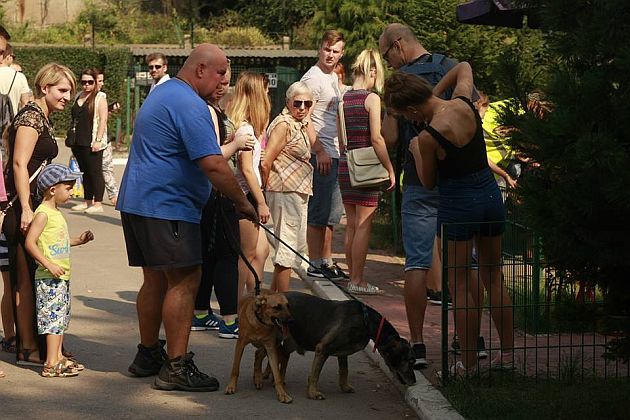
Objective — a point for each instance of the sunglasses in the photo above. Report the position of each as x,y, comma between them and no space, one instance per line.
390,47
156,67
87,82
298,104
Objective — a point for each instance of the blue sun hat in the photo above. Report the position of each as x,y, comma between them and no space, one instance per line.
53,174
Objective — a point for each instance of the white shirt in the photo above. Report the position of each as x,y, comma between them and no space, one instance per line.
159,82
20,86
257,152
325,89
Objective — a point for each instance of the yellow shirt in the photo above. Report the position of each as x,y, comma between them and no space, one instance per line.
54,242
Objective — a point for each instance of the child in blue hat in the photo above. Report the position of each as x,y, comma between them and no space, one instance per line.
49,243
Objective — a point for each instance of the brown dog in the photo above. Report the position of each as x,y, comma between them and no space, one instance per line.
260,318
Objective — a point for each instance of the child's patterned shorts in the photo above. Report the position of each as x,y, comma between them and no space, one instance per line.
53,305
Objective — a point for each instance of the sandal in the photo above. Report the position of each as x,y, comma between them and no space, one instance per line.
26,360
58,371
8,345
71,363
368,289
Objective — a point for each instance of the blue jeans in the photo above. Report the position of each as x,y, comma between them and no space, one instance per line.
419,223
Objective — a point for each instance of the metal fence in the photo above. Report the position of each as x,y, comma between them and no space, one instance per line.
544,327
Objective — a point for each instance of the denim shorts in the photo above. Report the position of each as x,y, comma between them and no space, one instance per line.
419,224
471,205
325,207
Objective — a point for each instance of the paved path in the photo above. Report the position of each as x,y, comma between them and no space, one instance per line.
103,333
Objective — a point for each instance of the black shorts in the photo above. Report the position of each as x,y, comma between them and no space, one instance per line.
161,244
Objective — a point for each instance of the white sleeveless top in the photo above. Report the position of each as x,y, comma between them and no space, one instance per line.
246,128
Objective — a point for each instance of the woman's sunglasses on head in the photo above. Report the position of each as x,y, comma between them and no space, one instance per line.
298,104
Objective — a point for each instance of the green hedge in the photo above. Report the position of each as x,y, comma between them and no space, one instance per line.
114,61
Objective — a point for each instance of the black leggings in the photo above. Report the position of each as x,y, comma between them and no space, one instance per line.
15,244
91,164
219,234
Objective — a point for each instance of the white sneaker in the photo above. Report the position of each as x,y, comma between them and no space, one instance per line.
94,209
80,207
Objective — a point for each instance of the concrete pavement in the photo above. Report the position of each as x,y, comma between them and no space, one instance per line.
103,334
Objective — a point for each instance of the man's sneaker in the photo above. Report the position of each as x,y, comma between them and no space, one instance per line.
482,353
481,348
228,331
434,297
329,273
420,353
314,272
181,374
338,272
208,322
148,360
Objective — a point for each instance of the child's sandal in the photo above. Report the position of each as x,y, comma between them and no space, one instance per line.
58,371
71,363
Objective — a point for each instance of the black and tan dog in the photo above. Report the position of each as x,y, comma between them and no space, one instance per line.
334,328
260,318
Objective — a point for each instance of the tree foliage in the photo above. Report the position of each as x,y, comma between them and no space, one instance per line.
578,198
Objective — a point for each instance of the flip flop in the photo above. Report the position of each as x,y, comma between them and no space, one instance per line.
26,358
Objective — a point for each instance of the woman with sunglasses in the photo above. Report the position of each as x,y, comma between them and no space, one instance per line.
31,144
89,116
288,180
362,109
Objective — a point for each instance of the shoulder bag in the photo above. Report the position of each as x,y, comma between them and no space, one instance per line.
4,211
364,166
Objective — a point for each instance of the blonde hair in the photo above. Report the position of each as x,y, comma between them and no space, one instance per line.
367,60
51,75
250,102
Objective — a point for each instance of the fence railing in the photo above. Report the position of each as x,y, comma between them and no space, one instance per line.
544,326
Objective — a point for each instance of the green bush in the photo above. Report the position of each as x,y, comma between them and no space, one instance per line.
113,61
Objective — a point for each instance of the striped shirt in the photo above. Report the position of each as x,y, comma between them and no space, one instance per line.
291,170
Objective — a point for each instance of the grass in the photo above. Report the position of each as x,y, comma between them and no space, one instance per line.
515,397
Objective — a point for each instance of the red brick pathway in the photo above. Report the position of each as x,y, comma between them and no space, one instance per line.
386,271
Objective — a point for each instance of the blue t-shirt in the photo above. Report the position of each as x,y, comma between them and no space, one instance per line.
173,129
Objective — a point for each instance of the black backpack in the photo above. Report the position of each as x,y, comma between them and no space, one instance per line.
6,108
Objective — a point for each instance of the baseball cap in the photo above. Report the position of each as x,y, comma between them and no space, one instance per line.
53,174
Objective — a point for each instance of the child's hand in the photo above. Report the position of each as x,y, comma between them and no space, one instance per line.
55,270
86,237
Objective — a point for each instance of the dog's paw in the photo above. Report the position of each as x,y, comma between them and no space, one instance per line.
315,395
230,389
285,398
347,388
258,381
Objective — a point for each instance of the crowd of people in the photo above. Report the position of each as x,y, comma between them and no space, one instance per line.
234,173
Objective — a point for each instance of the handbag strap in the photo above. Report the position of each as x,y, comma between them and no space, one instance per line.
343,137
30,180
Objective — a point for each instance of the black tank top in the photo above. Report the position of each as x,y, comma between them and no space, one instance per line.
81,117
461,161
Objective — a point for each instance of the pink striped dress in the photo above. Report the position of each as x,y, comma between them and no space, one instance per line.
358,134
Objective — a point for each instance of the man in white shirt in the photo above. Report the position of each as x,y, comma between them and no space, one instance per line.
158,67
20,93
325,207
